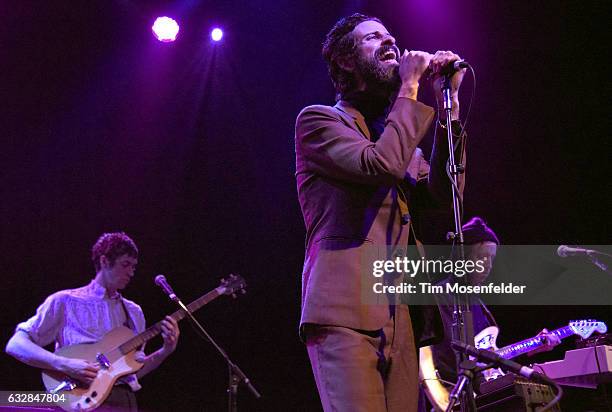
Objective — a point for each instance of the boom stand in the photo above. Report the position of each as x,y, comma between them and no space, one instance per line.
236,376
467,370
463,327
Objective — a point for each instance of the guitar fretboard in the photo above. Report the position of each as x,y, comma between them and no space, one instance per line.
154,330
527,345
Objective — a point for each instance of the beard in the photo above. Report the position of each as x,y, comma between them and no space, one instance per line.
380,78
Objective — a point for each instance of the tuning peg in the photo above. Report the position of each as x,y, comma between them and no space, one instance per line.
234,295
243,291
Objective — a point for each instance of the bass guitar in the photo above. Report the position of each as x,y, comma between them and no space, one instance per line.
115,354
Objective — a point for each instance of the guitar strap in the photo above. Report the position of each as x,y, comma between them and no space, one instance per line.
129,380
487,313
129,322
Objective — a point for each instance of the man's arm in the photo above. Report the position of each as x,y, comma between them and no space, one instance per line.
27,344
327,146
22,348
170,334
435,391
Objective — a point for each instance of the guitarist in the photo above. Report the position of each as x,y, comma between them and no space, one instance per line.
437,362
85,315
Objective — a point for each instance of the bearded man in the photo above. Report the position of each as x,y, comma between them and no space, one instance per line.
362,183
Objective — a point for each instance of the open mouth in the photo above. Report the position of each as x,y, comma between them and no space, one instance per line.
389,55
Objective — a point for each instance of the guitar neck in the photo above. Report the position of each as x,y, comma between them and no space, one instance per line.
527,345
151,332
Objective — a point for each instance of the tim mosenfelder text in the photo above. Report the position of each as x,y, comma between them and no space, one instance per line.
449,288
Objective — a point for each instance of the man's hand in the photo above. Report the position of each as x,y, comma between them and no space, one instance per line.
550,341
412,65
439,61
78,369
418,168
170,334
140,356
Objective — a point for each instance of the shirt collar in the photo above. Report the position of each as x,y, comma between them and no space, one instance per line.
346,107
369,106
99,291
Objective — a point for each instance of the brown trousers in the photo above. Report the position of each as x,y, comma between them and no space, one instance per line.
365,371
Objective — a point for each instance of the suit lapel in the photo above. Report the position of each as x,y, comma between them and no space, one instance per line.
357,118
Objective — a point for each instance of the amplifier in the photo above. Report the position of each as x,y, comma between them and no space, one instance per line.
511,393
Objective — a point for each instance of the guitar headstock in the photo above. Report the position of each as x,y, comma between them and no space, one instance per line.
232,285
585,328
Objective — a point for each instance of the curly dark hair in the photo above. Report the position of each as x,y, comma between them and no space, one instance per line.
339,43
113,245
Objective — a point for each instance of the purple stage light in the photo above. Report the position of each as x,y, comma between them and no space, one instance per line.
165,29
216,34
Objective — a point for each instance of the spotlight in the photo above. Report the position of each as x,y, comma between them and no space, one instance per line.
165,29
216,34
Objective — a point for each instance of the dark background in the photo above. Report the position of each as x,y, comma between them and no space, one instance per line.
188,147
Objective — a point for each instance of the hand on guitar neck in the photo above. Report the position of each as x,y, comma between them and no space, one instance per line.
170,333
550,341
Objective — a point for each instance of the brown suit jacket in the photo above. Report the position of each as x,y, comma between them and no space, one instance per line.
347,189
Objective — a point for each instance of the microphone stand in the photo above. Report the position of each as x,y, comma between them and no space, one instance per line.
491,359
467,370
236,376
463,324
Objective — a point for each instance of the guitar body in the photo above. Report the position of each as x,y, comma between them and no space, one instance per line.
89,398
487,339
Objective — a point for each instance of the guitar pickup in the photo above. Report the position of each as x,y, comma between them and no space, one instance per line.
66,385
103,361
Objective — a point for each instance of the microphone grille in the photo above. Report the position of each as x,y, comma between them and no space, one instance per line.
159,279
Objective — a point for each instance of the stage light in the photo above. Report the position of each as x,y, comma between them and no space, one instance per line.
216,34
165,29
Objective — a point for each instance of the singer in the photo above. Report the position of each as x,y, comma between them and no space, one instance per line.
358,171
85,315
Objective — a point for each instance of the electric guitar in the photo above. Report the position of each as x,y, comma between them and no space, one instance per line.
115,354
437,393
487,339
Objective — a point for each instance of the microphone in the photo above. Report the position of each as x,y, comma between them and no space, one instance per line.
488,356
565,251
453,67
160,280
